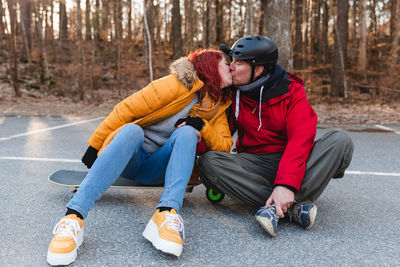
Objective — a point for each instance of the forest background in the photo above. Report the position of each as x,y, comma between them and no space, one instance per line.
83,57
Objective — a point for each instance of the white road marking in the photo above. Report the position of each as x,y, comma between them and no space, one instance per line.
41,159
49,129
387,128
397,174
374,173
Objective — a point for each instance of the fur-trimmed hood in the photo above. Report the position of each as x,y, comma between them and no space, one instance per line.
185,71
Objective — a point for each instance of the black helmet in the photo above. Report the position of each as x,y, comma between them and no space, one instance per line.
254,49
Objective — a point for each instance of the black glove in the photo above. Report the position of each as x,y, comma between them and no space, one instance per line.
195,122
179,122
90,156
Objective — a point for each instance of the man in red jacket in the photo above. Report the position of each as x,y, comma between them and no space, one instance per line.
278,165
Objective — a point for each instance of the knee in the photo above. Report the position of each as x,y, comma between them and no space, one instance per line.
341,139
206,160
133,132
186,133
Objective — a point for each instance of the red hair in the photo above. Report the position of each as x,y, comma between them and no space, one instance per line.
206,63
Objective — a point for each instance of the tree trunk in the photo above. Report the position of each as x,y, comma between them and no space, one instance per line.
129,20
305,25
263,18
298,46
355,23
314,46
373,24
12,46
51,30
396,36
249,17
63,24
88,33
362,59
26,18
177,43
146,25
189,24
81,91
394,19
324,33
118,36
206,27
2,27
278,29
43,62
338,77
96,22
219,14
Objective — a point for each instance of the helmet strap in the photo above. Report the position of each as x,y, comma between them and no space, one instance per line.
252,73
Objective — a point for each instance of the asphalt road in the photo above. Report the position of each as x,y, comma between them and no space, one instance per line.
358,221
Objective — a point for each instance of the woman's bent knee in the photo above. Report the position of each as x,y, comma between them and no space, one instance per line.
187,133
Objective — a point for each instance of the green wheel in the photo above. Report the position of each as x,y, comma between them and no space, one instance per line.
214,196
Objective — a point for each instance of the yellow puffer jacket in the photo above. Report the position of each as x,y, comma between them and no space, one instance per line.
159,100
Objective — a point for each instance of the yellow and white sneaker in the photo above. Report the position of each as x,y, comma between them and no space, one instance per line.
68,236
163,232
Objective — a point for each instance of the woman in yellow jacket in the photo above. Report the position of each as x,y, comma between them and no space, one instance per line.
151,137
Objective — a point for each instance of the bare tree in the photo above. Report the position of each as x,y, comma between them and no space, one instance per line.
96,22
219,15
206,23
177,42
43,62
338,77
118,36
298,46
148,40
362,59
396,36
249,17
263,18
2,27
63,24
88,27
26,19
81,89
129,26
394,18
324,33
12,47
279,30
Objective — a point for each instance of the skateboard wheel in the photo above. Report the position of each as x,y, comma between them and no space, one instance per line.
214,196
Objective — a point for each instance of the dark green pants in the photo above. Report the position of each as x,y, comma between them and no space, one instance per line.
249,178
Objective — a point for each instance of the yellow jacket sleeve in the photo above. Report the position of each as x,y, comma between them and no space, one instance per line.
216,133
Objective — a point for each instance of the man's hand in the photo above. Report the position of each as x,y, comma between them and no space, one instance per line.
283,198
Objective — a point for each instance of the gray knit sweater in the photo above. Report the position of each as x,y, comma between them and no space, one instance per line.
157,134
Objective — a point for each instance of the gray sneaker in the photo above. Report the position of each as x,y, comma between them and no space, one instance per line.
303,214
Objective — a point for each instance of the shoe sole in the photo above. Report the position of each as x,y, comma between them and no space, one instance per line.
313,215
151,234
55,259
267,225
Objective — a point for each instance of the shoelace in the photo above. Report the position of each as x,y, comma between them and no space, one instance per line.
174,222
69,229
269,211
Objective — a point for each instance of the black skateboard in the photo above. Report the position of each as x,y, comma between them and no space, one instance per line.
71,178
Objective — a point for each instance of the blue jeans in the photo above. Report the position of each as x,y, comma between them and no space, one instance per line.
171,164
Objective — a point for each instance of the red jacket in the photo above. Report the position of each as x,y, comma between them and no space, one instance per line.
288,125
